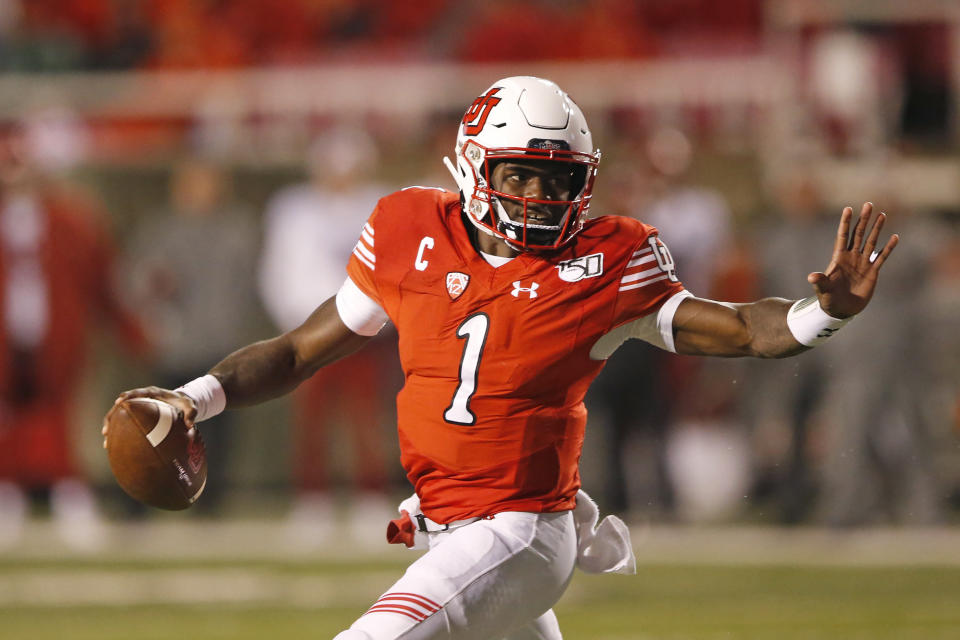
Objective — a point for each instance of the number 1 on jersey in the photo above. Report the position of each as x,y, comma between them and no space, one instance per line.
474,329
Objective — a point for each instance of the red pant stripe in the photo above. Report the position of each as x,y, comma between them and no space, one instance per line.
428,601
407,611
414,600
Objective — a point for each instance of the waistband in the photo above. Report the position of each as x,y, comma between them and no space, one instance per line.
427,525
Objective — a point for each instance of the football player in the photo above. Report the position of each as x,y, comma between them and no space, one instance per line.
507,301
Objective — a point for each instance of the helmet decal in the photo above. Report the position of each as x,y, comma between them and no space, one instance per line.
556,145
476,116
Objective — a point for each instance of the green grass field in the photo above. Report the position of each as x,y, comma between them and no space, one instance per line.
663,602
214,596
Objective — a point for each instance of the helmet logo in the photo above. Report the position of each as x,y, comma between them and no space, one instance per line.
476,116
456,284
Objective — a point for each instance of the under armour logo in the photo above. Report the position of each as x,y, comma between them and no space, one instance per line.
530,291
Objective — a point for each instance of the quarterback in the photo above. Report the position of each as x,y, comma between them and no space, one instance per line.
507,301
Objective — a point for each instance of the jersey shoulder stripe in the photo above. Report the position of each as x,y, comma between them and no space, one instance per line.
638,272
646,267
364,247
644,283
396,216
361,255
634,241
643,256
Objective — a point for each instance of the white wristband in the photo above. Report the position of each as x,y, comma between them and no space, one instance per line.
207,392
810,324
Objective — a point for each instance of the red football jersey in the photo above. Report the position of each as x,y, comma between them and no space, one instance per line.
496,360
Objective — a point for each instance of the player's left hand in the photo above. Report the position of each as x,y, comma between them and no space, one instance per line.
845,287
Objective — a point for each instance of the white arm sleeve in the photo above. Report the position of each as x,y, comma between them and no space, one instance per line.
655,328
665,321
358,311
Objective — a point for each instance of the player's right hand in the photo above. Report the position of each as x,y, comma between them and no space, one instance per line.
181,401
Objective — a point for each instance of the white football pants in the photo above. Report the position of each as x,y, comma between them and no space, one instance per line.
492,579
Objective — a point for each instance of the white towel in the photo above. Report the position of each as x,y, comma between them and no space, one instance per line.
603,548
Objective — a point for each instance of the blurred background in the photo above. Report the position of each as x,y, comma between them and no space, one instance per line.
181,177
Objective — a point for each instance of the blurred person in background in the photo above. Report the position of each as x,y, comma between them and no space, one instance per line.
309,234
788,403
854,452
940,346
703,449
879,451
186,260
56,285
696,218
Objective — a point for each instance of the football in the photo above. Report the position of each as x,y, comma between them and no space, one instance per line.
155,458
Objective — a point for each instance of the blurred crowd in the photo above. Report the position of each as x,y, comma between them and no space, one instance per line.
178,263
60,35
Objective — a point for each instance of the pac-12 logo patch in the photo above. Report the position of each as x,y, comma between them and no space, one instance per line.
456,284
576,269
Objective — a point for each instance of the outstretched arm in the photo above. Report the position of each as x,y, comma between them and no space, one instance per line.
843,289
270,368
708,328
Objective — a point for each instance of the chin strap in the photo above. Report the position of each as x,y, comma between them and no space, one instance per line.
505,225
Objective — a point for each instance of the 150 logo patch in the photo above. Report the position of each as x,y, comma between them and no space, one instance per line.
576,269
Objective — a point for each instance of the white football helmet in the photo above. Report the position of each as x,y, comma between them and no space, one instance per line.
534,119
